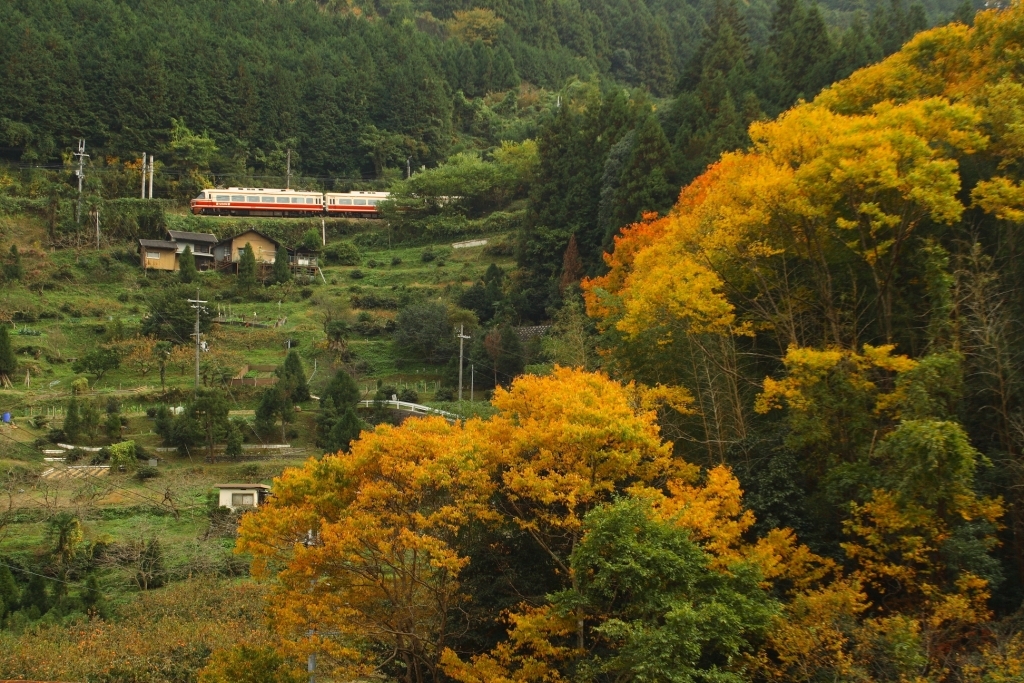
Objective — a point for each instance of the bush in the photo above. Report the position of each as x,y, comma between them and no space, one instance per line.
427,255
375,301
356,275
342,254
396,261
146,472
408,395
445,394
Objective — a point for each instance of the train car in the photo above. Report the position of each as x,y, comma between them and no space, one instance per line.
258,201
354,204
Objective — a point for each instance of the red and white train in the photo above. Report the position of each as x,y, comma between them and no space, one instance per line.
258,201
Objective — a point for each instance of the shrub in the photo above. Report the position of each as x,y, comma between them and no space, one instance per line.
146,472
356,275
342,254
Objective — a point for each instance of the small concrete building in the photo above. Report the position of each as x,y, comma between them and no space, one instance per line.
264,248
158,255
242,496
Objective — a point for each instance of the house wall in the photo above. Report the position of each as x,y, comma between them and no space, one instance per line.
264,249
225,496
168,259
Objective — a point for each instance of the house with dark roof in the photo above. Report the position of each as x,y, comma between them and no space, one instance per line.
158,255
264,248
201,243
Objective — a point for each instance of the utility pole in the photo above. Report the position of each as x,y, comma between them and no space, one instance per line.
142,194
152,158
96,218
472,378
288,172
462,338
198,305
81,176
408,167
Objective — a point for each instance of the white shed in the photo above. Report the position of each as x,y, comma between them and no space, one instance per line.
236,496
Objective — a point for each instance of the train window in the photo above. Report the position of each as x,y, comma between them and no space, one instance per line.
371,202
238,197
254,200
223,198
359,202
311,200
296,200
269,200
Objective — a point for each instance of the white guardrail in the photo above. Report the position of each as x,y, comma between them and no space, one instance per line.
415,408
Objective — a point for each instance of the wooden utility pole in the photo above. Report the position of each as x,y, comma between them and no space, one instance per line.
198,305
462,338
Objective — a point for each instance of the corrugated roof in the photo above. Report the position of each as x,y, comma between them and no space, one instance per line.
192,236
159,244
241,486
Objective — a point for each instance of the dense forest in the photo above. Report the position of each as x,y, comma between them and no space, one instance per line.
748,320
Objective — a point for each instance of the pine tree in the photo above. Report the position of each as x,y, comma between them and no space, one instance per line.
35,595
233,442
8,591
342,390
72,421
647,179
13,269
572,265
282,273
247,268
802,50
345,429
186,266
274,404
8,361
293,378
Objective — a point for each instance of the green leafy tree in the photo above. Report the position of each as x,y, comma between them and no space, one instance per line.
123,457
247,268
648,179
98,362
112,425
425,331
652,603
8,362
186,266
210,410
171,316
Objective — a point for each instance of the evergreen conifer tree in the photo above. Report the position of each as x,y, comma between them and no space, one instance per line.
647,179
293,378
233,441
247,268
282,273
12,269
186,266
8,591
8,361
35,595
72,421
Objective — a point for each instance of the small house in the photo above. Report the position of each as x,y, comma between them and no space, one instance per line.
264,248
243,496
201,243
158,255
